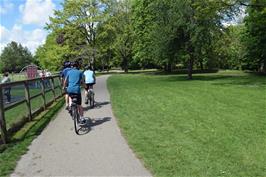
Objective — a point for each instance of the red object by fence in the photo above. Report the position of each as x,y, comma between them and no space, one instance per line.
31,72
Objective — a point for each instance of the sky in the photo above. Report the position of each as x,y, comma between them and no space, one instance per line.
23,21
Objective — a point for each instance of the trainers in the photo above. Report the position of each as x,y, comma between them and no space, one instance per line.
82,121
66,108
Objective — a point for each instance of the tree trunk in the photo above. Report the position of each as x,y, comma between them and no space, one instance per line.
125,64
190,68
201,65
169,67
102,65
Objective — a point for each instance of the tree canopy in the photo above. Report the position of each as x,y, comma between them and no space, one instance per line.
14,57
173,34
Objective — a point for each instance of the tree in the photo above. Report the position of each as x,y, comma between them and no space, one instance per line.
51,56
230,49
143,17
255,37
14,57
79,17
105,43
123,43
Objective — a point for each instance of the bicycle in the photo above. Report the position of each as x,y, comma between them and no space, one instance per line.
75,114
90,98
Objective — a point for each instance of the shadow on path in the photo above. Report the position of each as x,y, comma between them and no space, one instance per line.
97,105
86,128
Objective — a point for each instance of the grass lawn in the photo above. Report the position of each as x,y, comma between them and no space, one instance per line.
18,93
214,125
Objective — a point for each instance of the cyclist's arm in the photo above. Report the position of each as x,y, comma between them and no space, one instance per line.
94,77
65,82
82,82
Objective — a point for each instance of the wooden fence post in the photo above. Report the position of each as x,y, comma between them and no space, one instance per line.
2,118
27,97
43,94
53,90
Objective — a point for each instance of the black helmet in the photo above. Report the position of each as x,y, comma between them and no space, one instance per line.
75,64
87,67
67,64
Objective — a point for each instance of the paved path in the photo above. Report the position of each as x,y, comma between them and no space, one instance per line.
103,151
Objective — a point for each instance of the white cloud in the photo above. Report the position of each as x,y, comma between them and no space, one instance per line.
21,8
30,39
37,11
4,33
6,6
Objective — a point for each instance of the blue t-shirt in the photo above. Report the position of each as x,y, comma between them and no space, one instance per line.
74,78
89,79
64,72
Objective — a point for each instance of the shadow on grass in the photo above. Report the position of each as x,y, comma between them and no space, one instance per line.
245,80
37,127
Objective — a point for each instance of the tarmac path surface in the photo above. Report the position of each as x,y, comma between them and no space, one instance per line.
102,151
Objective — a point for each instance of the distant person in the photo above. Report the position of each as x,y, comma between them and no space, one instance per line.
90,80
47,80
48,73
7,90
67,67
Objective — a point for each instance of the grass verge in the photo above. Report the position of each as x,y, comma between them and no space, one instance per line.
214,125
22,139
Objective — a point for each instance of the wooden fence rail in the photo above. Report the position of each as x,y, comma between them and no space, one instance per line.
27,99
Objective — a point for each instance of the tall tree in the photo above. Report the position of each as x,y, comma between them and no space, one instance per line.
143,17
14,57
124,33
51,56
82,16
256,36
105,43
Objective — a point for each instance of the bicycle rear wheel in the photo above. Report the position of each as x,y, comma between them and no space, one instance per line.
91,100
76,119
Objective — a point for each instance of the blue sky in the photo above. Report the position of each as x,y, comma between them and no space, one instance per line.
23,21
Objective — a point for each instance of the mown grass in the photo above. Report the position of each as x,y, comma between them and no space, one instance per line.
17,113
214,125
23,138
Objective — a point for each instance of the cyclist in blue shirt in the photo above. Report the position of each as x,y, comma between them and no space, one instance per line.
73,82
67,67
90,80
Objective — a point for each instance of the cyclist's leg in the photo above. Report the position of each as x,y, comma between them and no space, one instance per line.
86,93
80,108
66,99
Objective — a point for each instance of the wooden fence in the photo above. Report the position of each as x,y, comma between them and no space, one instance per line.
26,84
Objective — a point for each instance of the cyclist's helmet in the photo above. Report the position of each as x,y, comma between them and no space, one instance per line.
87,67
75,64
67,64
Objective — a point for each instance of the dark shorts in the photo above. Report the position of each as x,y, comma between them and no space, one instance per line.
89,86
76,95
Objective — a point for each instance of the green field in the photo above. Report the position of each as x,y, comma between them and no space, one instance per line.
18,93
214,125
